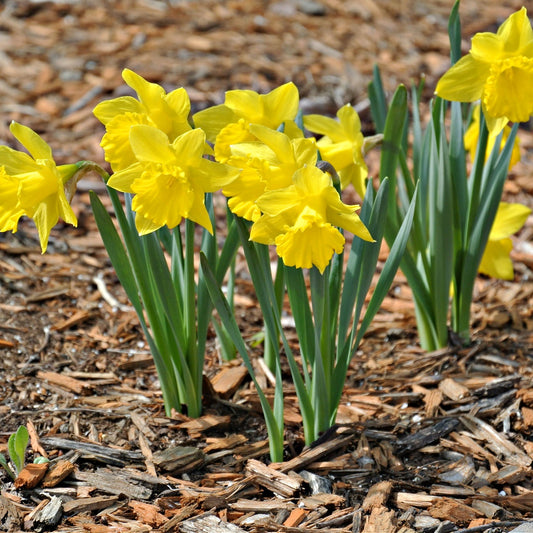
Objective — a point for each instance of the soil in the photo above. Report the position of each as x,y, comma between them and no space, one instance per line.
437,441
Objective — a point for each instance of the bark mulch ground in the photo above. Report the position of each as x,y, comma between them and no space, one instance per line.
424,442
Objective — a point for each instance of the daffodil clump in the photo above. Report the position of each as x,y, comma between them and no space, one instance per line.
440,213
460,161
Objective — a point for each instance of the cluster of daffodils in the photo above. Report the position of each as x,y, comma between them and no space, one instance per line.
250,147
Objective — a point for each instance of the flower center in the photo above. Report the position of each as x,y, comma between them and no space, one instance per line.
508,89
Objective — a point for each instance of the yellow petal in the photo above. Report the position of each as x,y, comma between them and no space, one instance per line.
31,141
144,225
509,219
213,119
278,142
486,47
350,122
15,162
267,228
245,104
339,154
325,126
210,176
179,101
123,179
496,262
109,109
516,32
150,144
464,81
10,211
281,104
189,147
150,94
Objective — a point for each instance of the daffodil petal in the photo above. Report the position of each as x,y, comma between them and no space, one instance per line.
213,119
150,144
324,126
281,104
15,162
277,141
211,176
516,32
144,225
123,179
150,94
464,81
179,101
109,109
509,219
496,262
350,121
189,147
36,146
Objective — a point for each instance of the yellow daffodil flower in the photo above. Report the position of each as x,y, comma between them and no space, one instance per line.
228,123
342,145
170,179
496,261
302,220
498,71
168,112
472,135
32,185
267,164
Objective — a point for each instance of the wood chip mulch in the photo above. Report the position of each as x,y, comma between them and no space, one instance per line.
424,442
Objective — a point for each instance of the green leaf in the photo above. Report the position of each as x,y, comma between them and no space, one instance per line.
378,101
134,276
273,420
16,446
391,147
389,271
454,32
115,249
3,463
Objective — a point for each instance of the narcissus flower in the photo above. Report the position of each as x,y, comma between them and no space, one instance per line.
168,112
170,179
228,123
267,164
472,136
498,71
302,220
342,145
496,262
32,185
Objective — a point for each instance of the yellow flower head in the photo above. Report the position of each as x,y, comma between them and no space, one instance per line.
154,107
169,180
33,185
342,145
498,71
496,262
228,123
302,220
472,136
267,164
